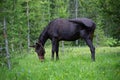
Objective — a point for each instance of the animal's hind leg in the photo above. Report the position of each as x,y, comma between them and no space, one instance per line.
92,48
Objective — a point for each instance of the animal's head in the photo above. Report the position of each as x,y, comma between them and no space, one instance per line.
39,49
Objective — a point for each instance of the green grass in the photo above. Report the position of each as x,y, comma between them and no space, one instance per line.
74,64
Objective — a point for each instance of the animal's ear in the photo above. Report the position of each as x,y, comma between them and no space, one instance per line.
38,44
33,46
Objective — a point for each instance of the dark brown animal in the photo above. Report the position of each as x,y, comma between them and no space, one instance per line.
67,30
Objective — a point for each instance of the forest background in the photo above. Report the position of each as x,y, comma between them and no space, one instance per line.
22,21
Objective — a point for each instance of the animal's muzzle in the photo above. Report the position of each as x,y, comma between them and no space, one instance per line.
41,58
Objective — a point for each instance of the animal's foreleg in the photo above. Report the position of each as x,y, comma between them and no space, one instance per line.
57,50
53,49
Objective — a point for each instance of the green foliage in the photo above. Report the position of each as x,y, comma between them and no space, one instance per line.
41,12
105,14
74,64
61,9
110,14
111,42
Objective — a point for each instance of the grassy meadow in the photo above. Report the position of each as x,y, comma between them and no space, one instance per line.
74,64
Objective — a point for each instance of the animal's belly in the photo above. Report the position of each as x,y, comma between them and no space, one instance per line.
68,37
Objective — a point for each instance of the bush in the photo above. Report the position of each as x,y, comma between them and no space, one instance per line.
111,42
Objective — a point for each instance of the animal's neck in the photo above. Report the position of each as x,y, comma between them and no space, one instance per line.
43,37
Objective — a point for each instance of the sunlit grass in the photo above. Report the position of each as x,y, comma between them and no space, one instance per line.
74,64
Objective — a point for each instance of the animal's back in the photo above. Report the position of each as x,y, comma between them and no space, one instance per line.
62,29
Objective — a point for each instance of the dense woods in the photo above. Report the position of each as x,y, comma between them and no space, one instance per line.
25,20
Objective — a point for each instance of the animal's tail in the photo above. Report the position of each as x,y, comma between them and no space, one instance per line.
92,31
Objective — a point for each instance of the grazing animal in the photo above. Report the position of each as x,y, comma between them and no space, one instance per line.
67,30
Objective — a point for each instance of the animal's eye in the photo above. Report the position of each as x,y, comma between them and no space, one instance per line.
37,47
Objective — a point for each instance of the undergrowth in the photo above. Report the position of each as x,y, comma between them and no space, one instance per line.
74,64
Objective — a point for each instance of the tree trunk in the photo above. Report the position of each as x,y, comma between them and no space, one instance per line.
76,14
63,47
28,24
6,45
